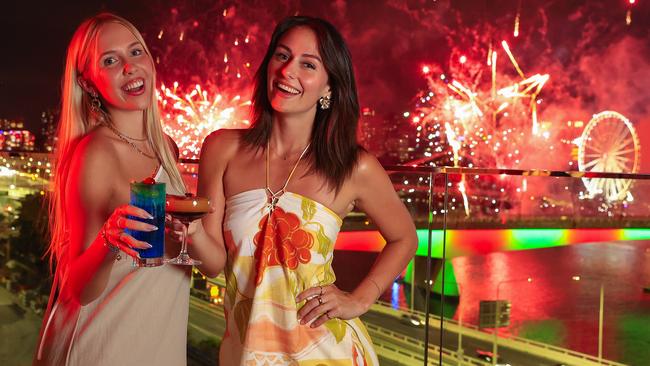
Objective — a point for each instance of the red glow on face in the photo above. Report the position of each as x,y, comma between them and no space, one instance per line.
119,62
296,65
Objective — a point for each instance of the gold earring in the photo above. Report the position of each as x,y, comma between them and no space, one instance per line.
325,102
95,104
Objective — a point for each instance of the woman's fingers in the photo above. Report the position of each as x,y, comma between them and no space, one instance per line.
316,308
124,223
126,243
134,211
123,239
173,228
327,315
172,223
128,251
307,308
133,242
311,292
119,221
322,302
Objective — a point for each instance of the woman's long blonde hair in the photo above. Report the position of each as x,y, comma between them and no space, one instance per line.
78,118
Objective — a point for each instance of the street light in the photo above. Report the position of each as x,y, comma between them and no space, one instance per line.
495,346
600,314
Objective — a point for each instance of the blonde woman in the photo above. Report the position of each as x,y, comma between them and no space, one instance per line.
104,311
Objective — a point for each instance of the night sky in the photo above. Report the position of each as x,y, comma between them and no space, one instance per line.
34,46
596,62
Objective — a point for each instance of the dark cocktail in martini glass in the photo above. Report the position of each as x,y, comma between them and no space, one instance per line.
186,209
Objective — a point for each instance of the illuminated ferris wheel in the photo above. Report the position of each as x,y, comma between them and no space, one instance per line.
610,144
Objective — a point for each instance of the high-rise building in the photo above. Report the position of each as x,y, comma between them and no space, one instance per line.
49,119
387,138
14,136
371,132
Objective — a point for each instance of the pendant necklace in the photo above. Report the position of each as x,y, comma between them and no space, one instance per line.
273,197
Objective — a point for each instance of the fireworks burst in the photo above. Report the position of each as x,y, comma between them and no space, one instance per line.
479,123
210,49
190,117
467,120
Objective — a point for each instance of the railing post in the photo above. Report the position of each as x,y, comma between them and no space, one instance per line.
600,323
428,270
460,353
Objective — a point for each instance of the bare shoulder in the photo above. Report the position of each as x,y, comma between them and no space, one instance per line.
367,169
95,151
223,143
93,167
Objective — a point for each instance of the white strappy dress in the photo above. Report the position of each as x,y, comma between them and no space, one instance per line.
139,319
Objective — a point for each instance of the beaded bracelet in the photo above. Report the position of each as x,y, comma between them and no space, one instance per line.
111,247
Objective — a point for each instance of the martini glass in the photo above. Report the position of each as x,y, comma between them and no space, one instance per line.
186,209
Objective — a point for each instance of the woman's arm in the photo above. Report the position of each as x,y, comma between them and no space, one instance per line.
375,196
91,181
207,239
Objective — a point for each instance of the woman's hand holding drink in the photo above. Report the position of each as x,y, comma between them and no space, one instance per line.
138,229
114,230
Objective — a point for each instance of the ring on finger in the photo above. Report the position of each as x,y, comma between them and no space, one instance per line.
120,237
320,300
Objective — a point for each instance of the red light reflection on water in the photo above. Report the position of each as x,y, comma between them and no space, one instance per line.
554,303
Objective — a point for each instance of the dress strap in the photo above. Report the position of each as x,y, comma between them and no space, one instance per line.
275,196
157,171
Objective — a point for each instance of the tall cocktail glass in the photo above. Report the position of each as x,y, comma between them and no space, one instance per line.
151,198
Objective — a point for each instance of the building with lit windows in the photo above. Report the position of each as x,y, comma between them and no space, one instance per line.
14,136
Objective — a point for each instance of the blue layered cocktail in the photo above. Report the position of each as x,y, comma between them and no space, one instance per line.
151,198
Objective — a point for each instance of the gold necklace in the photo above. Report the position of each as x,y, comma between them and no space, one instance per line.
275,196
126,139
121,134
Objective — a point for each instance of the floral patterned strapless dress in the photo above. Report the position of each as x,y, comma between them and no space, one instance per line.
272,257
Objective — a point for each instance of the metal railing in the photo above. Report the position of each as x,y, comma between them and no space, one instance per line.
542,349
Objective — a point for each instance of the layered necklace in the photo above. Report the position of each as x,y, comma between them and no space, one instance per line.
129,140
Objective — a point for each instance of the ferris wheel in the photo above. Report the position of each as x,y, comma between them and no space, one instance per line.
609,143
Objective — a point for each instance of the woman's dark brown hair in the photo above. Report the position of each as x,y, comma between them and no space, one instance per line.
334,150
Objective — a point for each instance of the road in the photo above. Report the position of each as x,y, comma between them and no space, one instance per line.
206,320
450,341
